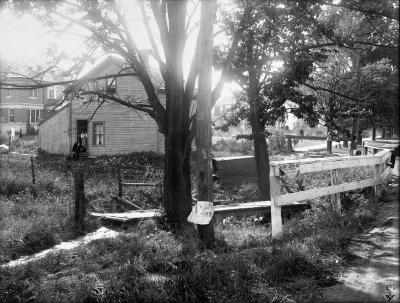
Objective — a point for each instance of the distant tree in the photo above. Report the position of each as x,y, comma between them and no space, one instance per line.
273,32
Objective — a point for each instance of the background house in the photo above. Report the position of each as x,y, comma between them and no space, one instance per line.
22,109
111,128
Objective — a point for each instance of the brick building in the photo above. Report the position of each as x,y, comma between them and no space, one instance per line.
22,109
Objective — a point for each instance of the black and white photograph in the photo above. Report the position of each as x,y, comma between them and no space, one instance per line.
222,151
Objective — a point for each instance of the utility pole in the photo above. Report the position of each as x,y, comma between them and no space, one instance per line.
357,115
203,131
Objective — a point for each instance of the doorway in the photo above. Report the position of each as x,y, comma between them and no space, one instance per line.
82,132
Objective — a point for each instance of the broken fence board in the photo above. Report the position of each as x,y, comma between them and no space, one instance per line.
318,192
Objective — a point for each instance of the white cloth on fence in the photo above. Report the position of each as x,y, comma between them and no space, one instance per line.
201,213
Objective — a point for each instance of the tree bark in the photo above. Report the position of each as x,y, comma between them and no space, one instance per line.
359,137
261,156
258,132
374,133
329,146
80,200
177,182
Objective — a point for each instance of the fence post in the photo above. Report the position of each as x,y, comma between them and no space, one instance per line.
80,200
289,143
336,202
275,190
119,179
375,192
33,171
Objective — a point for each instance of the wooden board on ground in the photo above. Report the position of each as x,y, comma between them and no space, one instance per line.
220,211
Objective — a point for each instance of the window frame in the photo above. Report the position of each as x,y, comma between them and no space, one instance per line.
11,110
95,135
37,116
33,96
53,90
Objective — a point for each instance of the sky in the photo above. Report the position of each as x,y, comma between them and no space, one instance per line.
24,39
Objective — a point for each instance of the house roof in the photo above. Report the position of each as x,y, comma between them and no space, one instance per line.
56,111
108,60
95,71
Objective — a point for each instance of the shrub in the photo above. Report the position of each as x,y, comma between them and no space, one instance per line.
277,143
233,146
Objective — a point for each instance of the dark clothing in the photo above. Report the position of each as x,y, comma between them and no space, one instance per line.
75,151
395,153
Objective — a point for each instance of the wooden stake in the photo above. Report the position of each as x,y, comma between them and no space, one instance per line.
80,200
119,179
33,171
336,202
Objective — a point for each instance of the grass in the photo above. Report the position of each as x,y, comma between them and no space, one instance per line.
147,263
36,217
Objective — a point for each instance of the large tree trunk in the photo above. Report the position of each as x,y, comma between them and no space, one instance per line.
261,156
177,182
359,137
374,133
329,146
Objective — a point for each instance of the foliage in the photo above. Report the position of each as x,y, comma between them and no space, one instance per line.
232,146
277,143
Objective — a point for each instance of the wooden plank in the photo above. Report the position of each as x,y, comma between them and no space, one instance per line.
318,192
139,184
322,165
386,156
385,174
241,209
306,137
129,216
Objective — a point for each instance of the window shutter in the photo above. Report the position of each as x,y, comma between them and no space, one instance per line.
94,134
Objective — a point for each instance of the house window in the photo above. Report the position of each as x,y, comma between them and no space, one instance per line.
33,93
34,115
98,133
50,93
59,91
11,115
8,93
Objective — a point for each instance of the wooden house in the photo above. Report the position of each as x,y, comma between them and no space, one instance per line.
110,128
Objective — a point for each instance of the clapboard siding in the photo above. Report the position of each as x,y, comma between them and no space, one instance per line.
54,134
125,130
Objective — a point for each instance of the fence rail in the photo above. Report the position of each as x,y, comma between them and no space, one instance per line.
381,173
279,201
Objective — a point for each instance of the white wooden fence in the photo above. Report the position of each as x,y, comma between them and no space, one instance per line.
381,173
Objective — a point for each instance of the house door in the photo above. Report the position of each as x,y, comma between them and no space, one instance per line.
81,132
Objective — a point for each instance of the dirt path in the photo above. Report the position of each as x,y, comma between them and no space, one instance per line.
101,233
372,270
